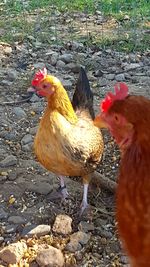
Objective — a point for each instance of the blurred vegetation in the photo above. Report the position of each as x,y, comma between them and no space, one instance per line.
18,21
108,7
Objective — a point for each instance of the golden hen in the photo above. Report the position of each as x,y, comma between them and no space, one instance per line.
67,143
128,119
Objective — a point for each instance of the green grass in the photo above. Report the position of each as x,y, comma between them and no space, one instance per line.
17,25
130,7
123,44
109,7
62,5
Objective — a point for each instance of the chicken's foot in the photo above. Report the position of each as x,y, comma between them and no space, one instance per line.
61,192
84,203
62,189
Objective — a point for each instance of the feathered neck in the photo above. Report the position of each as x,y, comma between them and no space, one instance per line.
60,102
142,134
138,150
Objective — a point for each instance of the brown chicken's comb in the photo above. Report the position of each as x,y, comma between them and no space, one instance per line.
121,92
39,76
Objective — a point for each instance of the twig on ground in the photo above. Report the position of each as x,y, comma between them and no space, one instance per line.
103,182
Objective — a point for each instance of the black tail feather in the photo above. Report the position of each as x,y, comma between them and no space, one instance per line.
83,96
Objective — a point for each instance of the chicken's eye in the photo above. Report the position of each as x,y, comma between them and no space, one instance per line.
45,86
116,117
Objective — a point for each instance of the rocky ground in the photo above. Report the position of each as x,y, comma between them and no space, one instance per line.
26,212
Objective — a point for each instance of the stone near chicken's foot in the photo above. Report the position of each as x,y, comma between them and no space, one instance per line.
61,193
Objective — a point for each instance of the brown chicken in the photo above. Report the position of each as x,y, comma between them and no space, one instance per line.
67,142
128,119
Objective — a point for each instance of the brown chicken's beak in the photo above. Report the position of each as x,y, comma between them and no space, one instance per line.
99,122
31,90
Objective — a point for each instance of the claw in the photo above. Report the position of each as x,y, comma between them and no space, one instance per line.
86,212
83,207
84,203
63,191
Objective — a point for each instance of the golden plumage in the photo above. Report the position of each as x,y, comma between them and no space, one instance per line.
67,142
66,148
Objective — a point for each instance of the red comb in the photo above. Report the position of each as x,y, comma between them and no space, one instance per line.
39,76
121,92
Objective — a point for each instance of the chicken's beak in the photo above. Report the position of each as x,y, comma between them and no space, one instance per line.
31,90
99,122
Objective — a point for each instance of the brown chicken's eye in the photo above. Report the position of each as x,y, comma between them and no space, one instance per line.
116,117
45,86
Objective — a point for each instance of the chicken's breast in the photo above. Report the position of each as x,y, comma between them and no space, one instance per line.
68,149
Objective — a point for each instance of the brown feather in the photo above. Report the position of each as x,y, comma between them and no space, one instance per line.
133,193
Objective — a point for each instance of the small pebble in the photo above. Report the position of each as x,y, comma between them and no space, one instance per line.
62,224
50,257
38,230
